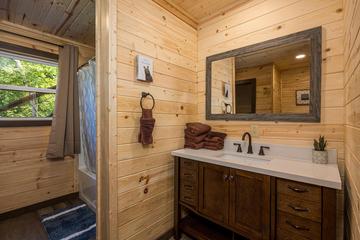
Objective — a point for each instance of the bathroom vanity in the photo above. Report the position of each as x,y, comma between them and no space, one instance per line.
231,195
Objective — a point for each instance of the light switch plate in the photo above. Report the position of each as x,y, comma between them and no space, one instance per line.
144,64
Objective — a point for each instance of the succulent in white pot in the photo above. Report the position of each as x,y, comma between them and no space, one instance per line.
319,153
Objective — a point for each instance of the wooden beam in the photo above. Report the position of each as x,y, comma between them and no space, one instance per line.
67,15
178,12
27,32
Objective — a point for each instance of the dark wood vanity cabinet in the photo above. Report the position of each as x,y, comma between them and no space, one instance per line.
250,205
214,192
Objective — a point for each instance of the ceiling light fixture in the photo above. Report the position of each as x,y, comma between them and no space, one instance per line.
300,56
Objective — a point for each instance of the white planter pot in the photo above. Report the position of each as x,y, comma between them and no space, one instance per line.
320,157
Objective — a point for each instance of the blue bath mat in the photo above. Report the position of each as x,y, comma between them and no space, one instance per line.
74,223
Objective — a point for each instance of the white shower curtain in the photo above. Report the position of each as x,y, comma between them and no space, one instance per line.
86,78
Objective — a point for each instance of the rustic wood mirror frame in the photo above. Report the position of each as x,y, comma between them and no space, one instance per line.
315,37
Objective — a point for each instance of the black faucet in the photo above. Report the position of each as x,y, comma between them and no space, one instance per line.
250,151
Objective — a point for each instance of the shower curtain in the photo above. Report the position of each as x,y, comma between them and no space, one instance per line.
86,79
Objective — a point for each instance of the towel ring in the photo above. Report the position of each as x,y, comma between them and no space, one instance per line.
144,95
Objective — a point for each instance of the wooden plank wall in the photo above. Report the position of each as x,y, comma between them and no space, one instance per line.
222,72
145,211
26,176
352,124
292,80
260,20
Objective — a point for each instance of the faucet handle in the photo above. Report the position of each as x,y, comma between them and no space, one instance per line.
261,152
239,149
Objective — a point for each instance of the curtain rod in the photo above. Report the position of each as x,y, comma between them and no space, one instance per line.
39,40
86,63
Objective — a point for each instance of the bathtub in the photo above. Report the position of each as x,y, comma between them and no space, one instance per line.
87,187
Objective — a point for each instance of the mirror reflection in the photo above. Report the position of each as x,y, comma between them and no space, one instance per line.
273,80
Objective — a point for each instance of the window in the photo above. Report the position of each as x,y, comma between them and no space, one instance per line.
27,86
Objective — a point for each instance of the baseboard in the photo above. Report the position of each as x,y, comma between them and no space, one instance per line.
167,235
37,206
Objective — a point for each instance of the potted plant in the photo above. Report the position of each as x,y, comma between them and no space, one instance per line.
319,153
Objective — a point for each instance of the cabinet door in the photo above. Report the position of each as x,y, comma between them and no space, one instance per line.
250,204
214,192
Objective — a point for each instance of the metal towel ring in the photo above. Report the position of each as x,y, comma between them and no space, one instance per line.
144,95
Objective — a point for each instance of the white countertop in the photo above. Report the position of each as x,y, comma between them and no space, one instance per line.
287,167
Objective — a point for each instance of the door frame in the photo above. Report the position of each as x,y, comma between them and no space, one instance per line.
251,81
106,123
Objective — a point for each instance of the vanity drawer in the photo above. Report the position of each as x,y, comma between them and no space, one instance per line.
299,207
188,182
188,175
297,226
188,194
188,164
299,190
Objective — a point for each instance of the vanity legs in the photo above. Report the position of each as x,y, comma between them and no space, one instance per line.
177,211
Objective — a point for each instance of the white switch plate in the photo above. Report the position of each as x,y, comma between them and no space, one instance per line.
143,62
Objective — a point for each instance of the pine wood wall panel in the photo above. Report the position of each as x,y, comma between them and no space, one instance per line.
26,176
352,124
259,21
222,72
145,28
292,80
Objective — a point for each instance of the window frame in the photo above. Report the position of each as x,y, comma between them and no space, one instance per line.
27,53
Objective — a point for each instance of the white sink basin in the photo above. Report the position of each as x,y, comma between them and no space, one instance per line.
243,156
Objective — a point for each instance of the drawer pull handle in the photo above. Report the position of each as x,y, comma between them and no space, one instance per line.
298,190
188,174
298,209
297,227
188,186
225,177
188,198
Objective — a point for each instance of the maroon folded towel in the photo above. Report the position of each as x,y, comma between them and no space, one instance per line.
217,134
193,145
213,148
195,139
147,123
211,144
214,140
196,128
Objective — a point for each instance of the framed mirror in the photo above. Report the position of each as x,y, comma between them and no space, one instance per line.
276,80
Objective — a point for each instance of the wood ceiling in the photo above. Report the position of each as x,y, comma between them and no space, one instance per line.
195,12
71,19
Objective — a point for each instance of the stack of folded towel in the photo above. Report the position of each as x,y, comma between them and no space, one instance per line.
195,133
198,135
214,141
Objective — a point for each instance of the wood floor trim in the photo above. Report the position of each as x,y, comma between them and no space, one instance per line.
37,206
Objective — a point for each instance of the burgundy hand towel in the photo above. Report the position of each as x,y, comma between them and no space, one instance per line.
147,123
217,134
214,140
195,139
213,148
197,128
210,144
193,145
